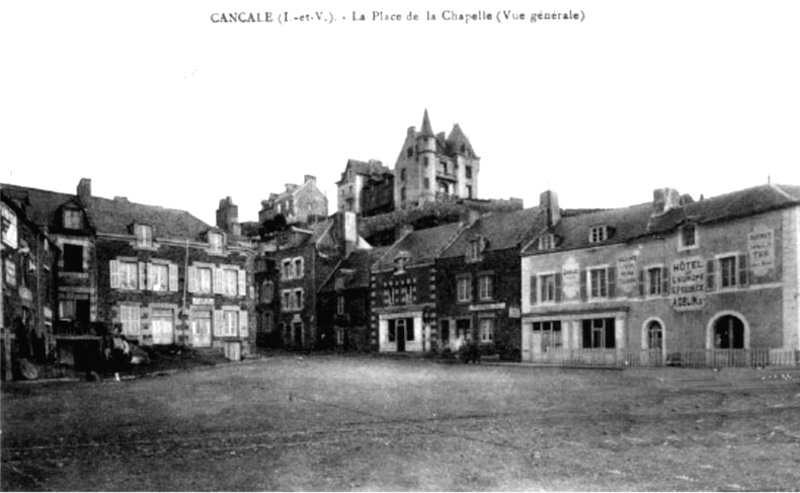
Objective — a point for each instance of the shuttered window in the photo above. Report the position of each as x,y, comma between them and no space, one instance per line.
598,282
130,318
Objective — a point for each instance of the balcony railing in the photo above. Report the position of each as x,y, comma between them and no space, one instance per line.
691,358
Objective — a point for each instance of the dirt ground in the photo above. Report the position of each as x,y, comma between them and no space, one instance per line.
343,423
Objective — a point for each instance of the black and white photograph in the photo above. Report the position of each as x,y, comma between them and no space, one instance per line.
400,246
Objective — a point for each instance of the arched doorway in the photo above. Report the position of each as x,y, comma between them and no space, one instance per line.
655,335
653,342
729,333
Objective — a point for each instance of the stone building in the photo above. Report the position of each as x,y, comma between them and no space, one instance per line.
478,282
162,275
28,275
366,188
433,167
670,281
403,291
297,204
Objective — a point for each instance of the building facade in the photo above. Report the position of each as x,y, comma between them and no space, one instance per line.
478,283
358,190
433,167
297,204
672,281
403,291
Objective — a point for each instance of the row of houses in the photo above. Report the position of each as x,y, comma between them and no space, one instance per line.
653,283
76,267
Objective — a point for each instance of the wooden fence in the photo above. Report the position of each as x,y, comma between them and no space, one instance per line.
691,358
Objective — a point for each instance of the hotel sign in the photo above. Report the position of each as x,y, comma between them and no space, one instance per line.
688,284
761,250
571,279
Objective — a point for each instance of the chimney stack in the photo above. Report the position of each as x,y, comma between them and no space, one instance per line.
346,232
309,178
469,216
548,202
664,200
85,189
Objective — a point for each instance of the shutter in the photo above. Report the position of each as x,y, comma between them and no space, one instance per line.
192,279
610,333
558,287
135,320
219,323
151,279
142,275
533,290
173,277
218,280
611,273
710,275
243,324
642,289
741,265
242,283
587,334
665,281
584,294
113,267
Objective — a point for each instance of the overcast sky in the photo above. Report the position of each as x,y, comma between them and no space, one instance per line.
153,101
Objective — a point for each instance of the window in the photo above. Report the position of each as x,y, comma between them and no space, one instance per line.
475,247
128,275
73,258
340,305
158,276
688,236
548,288
204,280
485,287
267,289
144,235
727,272
298,267
463,289
401,295
426,161
469,191
406,326
468,172
215,240
598,333
546,242
230,279
487,329
551,334
427,182
598,234
73,219
655,281
231,323
444,330
130,318
400,264
286,300
11,272
402,194
286,271
403,174
598,281
298,299
655,335
409,152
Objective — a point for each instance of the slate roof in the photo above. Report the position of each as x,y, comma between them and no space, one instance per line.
629,223
426,128
456,138
423,245
501,231
359,262
366,168
111,216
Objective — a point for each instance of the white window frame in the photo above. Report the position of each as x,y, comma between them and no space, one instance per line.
485,287
125,265
340,304
210,270
298,267
718,260
130,319
70,217
463,289
542,287
486,329
216,246
287,300
230,326
547,242
287,269
603,289
153,278
598,234
649,280
298,299
144,235
230,284
475,249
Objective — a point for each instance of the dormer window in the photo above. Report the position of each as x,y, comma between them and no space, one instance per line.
73,219
547,242
400,264
598,234
215,241
688,236
475,249
144,235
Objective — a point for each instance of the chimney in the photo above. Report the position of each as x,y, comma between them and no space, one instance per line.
346,231
548,202
228,216
403,230
85,189
309,178
664,200
469,216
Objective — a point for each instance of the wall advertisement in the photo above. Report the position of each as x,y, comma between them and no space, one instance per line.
688,284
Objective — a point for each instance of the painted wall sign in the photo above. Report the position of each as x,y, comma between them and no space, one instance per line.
761,250
688,284
627,273
513,312
488,306
8,220
571,279
203,301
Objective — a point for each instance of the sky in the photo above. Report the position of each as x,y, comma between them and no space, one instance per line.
155,102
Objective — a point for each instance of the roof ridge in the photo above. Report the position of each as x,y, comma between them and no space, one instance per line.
783,192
